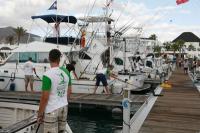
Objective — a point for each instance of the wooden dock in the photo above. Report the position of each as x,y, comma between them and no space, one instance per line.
114,100
178,111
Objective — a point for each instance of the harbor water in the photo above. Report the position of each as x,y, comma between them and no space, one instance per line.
94,121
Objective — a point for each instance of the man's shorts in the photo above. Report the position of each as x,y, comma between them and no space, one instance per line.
101,78
29,78
55,122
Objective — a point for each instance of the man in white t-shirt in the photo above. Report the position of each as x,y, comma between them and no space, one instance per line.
29,68
56,89
101,77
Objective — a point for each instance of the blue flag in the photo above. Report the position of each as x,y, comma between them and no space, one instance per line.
53,6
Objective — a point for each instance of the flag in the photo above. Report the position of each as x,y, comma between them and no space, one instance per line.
53,6
181,1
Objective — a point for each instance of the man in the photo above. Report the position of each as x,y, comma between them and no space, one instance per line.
185,66
71,67
56,89
29,68
57,29
101,77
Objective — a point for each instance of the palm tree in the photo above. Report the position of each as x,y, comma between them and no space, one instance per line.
157,49
167,45
177,46
174,47
191,47
20,31
153,37
10,39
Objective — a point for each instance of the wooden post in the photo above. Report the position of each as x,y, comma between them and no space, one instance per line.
126,111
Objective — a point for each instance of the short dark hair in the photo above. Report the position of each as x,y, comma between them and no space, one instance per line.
30,58
73,62
111,66
54,55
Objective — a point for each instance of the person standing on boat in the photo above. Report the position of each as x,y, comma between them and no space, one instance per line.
57,29
71,67
56,89
101,77
29,68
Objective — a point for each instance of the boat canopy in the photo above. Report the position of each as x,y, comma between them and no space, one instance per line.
53,18
43,47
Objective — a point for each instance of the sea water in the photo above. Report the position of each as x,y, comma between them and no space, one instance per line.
94,121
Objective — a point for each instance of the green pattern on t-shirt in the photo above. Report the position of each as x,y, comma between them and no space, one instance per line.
67,72
46,83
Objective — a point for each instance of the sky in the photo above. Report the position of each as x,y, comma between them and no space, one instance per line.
161,17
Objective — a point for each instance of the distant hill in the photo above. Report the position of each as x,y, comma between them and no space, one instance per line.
9,31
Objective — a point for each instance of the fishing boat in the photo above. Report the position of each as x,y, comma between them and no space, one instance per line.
11,71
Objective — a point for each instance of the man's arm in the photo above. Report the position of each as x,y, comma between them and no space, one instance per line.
69,91
46,87
43,102
34,71
75,75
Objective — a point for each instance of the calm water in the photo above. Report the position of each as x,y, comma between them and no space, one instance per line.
94,121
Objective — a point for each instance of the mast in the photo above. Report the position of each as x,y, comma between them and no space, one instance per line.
124,54
107,31
58,25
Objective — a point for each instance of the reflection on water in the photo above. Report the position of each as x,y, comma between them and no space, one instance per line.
94,121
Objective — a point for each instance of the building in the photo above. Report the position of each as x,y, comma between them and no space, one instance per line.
190,39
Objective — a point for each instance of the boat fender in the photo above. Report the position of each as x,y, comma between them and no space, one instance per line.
12,86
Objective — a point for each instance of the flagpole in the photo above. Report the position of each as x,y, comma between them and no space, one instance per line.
57,21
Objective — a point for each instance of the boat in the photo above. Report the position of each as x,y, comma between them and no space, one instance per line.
11,72
5,51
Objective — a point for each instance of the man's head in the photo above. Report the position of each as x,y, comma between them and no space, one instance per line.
111,67
54,56
30,59
73,63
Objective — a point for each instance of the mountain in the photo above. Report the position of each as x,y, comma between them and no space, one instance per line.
10,31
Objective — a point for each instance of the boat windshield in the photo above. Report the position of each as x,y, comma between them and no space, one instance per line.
13,58
118,61
22,57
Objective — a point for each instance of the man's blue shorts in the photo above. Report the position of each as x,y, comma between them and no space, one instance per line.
101,78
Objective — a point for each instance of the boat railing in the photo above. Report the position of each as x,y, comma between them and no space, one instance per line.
27,125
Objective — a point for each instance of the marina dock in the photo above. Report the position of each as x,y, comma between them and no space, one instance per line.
178,111
113,100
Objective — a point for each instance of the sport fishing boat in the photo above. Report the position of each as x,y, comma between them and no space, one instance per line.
11,71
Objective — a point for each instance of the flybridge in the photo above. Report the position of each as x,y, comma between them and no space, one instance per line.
53,18
95,19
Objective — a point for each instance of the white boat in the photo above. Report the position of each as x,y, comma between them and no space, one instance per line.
12,69
5,51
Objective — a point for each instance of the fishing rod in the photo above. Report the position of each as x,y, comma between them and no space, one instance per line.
96,70
122,27
127,28
86,67
120,14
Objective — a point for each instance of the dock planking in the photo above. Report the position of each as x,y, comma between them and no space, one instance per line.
88,99
178,111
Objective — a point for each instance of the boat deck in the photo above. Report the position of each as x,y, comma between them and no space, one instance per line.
178,111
